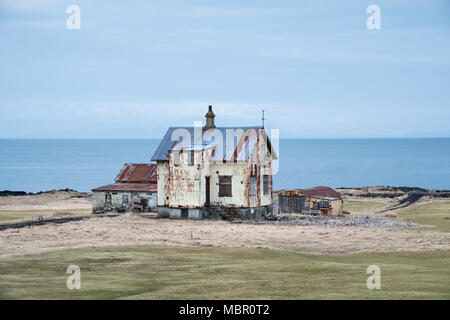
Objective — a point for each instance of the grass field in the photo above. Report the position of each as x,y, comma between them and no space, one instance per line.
145,272
358,206
436,214
11,215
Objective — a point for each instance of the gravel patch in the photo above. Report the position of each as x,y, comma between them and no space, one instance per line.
356,221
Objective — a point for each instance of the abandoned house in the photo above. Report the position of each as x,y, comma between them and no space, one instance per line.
318,200
134,189
209,169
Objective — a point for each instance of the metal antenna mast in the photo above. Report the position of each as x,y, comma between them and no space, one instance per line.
262,118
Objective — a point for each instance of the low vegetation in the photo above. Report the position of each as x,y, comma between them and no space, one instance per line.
144,272
14,215
359,206
435,215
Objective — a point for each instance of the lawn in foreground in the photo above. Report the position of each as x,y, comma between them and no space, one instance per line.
359,206
435,214
14,215
147,272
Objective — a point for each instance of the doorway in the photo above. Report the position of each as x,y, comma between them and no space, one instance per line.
208,192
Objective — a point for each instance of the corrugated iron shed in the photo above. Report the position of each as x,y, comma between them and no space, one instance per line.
232,150
137,173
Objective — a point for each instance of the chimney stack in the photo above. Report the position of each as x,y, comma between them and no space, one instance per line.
209,119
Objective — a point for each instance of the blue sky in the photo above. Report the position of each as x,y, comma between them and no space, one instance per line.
136,67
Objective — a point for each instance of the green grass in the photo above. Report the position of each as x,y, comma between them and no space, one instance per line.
435,214
11,215
144,272
358,206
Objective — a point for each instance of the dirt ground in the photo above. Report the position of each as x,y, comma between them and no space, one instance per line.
132,229
52,200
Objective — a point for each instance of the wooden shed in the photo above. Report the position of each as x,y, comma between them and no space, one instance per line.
318,200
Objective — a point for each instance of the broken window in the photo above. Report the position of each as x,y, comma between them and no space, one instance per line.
107,198
224,186
266,184
125,199
252,185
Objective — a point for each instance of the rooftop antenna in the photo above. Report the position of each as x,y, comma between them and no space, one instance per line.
262,118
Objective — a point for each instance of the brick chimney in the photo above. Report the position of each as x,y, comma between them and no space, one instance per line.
209,119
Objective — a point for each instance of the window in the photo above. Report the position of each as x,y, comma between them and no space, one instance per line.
125,199
307,205
192,160
266,185
324,204
107,198
252,185
224,186
176,157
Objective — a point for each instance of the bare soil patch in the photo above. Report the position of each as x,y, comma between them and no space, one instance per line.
132,229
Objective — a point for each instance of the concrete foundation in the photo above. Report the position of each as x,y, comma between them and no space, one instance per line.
214,212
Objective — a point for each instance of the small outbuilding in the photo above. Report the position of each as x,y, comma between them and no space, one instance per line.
135,189
318,200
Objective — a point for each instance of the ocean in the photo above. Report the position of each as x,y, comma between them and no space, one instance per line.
34,165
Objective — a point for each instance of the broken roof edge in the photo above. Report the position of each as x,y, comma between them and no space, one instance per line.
128,187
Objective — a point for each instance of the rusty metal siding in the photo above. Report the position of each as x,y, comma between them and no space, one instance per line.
291,201
298,204
316,192
283,204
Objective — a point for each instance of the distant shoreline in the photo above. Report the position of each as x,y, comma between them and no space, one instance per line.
12,193
365,192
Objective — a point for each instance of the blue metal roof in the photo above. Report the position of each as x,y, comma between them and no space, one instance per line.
207,137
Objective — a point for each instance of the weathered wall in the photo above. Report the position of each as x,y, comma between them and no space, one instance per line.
182,185
338,207
163,179
185,186
238,183
99,198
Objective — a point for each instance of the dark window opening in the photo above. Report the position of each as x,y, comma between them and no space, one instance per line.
224,186
192,159
266,184
324,204
107,198
252,185
125,199
176,157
